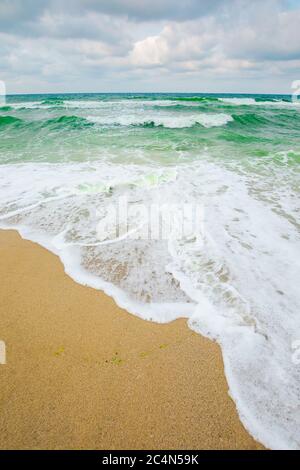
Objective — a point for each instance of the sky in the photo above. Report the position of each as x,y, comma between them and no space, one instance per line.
237,46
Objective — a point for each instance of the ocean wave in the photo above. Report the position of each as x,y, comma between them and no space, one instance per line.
6,108
66,121
250,119
52,102
26,105
242,138
9,120
143,101
168,121
61,122
238,101
195,98
260,102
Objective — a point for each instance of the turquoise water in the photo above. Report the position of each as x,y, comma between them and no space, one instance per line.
159,128
66,161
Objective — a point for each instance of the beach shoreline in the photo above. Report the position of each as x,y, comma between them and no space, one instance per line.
82,373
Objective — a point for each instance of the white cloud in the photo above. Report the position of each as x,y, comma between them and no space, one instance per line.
256,45
226,44
151,51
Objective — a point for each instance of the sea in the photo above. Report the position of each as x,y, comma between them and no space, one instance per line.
176,205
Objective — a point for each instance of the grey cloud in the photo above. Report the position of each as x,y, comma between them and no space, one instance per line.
22,17
136,40
138,9
90,26
268,34
153,9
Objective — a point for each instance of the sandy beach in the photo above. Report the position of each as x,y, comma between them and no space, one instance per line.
83,373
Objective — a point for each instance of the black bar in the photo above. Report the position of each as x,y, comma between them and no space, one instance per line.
137,458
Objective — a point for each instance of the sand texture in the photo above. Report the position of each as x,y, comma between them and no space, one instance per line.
83,373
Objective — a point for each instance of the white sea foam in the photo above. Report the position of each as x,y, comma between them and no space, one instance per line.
91,104
88,104
166,120
253,102
239,286
239,101
144,104
94,104
26,104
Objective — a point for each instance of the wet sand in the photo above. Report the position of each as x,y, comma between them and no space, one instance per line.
83,373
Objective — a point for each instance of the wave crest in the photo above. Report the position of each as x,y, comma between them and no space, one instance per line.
168,121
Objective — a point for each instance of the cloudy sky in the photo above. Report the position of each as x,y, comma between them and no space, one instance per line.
149,45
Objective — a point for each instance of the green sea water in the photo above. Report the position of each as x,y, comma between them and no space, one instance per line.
67,160
146,128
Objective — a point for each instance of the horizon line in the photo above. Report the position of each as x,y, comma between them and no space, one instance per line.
145,93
